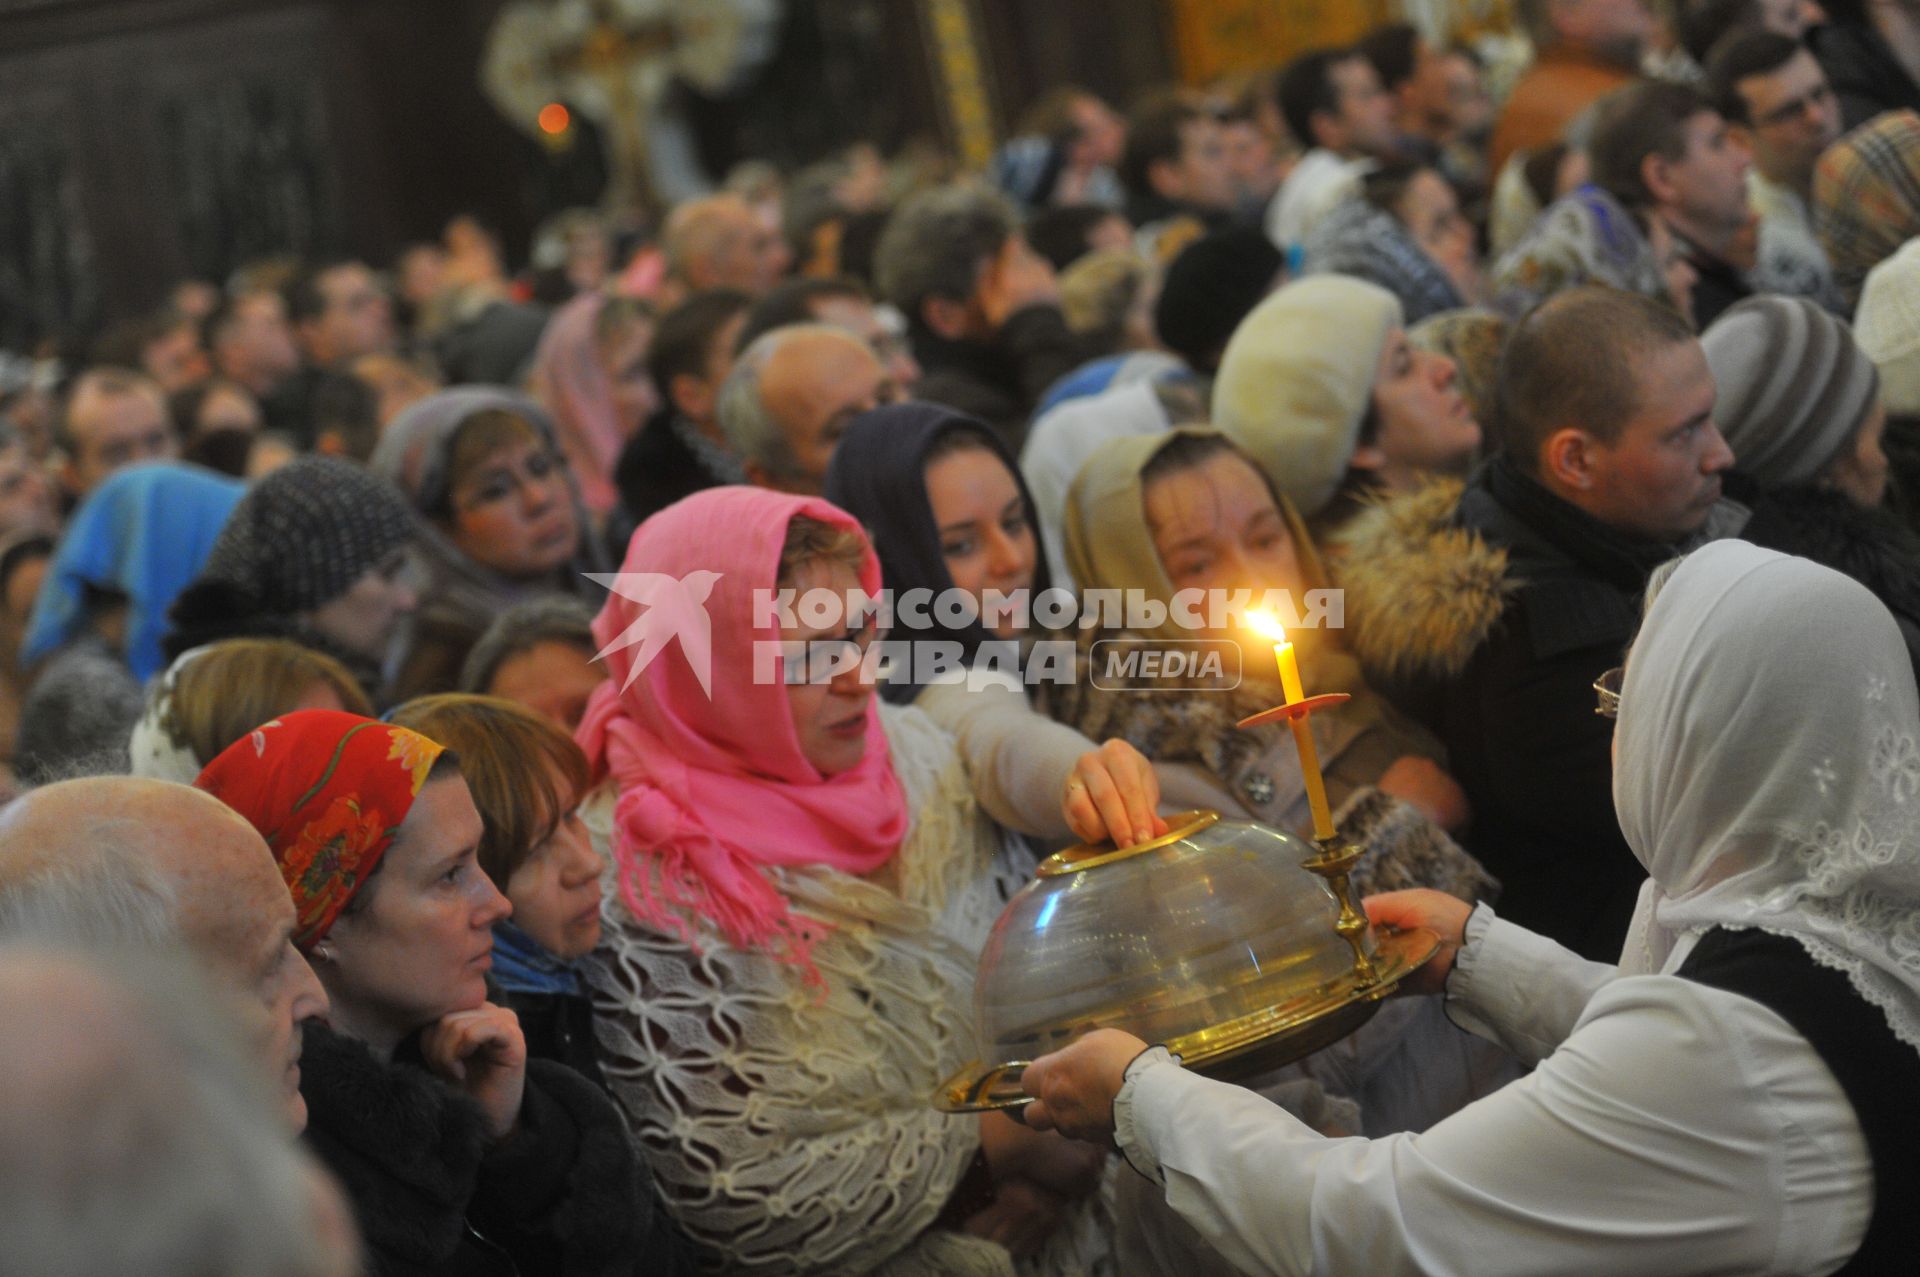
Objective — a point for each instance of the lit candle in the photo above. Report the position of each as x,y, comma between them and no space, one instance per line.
1269,626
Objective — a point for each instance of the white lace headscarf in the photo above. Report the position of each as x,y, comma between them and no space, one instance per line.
1768,775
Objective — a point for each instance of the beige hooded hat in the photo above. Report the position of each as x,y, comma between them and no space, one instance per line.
1297,379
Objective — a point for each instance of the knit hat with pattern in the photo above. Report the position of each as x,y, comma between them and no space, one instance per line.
1792,387
306,532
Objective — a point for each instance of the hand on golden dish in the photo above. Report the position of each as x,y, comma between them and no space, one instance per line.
1074,1087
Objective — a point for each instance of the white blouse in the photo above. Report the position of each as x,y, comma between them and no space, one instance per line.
1670,1128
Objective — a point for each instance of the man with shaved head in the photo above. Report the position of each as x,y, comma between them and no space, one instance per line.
1609,465
789,398
106,858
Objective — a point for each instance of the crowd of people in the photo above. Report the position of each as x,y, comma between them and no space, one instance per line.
442,834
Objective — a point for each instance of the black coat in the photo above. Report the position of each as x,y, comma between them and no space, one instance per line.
563,1196
558,1027
999,382
1871,546
1719,286
1518,720
656,469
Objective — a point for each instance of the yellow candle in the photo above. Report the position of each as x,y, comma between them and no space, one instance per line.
1302,734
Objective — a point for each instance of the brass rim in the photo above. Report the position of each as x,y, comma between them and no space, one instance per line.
1092,855
979,1089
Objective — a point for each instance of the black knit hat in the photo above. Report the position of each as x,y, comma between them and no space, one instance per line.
1210,287
306,532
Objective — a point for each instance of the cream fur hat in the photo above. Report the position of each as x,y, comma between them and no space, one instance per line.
1297,379
1887,326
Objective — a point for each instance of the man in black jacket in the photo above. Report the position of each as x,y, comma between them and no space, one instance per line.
1611,466
982,308
681,449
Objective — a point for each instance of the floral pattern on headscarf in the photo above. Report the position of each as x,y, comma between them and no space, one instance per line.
329,792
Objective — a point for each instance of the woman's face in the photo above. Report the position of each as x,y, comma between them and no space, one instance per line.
624,357
829,716
551,678
1860,473
1431,213
1216,526
985,537
1425,425
26,493
512,511
556,891
421,946
363,618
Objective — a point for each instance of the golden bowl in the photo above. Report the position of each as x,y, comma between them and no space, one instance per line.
1216,940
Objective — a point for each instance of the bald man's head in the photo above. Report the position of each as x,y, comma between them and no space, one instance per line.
230,905
721,242
790,397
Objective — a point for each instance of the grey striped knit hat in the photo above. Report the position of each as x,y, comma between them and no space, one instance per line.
1793,387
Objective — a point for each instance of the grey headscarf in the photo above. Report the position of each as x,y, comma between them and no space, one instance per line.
415,451
1369,243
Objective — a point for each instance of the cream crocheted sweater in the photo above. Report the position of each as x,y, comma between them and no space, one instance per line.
794,1134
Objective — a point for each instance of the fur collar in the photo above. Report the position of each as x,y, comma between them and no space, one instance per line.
1422,593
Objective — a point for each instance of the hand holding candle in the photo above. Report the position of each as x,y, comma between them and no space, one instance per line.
1269,626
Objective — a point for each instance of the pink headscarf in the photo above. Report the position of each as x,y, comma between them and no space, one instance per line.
569,380
713,790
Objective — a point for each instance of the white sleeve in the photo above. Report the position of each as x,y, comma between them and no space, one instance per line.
1679,1130
1018,759
1519,989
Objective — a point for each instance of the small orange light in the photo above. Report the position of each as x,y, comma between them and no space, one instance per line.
555,118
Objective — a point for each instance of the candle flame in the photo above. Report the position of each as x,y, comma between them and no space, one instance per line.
1267,625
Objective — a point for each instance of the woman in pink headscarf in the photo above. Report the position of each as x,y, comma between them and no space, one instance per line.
804,884
590,372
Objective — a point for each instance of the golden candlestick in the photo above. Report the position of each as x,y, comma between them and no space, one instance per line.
1333,865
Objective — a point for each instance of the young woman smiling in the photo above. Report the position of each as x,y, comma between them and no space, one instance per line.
948,510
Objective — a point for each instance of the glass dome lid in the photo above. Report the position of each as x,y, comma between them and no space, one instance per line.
1234,944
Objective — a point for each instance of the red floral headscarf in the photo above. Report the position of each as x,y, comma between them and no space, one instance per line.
328,791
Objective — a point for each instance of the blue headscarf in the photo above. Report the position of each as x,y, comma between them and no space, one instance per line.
144,533
878,475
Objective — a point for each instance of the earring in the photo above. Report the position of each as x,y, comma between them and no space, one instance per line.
323,951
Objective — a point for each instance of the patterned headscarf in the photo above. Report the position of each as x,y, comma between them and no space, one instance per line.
328,791
1866,197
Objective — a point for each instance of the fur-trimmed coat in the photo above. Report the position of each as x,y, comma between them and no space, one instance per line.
1486,611
563,1196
